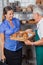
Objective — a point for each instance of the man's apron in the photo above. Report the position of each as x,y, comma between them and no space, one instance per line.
39,51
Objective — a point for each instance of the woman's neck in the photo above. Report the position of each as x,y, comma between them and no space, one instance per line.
9,20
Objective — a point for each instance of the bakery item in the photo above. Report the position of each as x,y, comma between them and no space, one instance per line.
22,35
23,22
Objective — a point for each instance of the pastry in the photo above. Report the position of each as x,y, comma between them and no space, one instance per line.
25,35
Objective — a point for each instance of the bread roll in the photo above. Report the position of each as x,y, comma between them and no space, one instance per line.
29,9
14,35
23,22
25,35
38,1
24,9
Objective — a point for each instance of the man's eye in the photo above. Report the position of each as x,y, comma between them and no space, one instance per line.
9,14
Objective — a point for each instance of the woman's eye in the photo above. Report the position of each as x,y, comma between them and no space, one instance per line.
11,14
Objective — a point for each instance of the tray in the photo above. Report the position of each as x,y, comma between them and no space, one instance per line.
22,36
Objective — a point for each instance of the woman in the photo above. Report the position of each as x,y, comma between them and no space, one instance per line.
11,49
37,14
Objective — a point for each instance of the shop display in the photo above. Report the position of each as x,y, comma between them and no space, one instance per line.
18,8
23,9
23,22
29,8
32,21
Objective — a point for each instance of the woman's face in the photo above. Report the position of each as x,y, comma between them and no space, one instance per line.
9,15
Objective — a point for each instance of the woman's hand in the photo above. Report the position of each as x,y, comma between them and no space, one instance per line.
3,58
27,42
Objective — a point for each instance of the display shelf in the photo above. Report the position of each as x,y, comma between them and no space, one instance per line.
23,15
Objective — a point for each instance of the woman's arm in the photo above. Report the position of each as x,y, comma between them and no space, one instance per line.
2,45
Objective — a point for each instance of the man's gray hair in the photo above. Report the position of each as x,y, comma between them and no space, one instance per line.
38,10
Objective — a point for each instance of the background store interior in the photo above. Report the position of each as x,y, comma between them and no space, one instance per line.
23,9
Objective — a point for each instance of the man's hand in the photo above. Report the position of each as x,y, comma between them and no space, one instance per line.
28,30
27,42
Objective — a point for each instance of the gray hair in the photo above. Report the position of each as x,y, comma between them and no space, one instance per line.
38,10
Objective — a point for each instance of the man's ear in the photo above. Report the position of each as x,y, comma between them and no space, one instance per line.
37,14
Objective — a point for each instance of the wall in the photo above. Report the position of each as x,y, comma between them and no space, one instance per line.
1,8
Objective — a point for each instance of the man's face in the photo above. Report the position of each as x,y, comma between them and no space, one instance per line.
36,17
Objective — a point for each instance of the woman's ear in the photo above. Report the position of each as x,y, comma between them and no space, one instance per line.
5,15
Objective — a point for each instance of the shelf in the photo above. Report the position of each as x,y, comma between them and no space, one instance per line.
23,15
23,12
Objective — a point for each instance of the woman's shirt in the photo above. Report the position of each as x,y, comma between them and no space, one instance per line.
8,30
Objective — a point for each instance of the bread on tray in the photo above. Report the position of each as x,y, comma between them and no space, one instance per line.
22,35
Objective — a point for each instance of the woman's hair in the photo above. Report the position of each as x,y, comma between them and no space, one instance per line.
5,10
